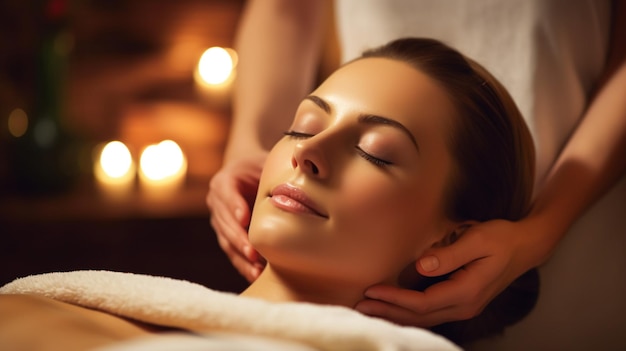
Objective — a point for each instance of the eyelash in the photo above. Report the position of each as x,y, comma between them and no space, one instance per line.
297,135
374,160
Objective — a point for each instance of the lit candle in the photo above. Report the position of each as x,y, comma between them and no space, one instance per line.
162,169
114,169
215,74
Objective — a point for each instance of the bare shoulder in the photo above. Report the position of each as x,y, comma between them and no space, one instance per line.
30,322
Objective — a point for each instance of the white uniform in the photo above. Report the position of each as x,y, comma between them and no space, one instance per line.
548,54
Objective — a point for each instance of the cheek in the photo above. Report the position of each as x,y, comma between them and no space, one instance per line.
279,157
389,201
277,163
386,221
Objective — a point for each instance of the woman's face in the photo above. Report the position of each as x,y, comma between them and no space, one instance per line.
354,191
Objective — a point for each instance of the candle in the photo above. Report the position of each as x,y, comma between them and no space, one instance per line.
162,169
114,170
215,74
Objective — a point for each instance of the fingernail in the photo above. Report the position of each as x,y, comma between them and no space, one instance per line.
238,214
371,294
254,271
247,250
429,263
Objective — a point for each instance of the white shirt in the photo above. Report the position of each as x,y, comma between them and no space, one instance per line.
547,53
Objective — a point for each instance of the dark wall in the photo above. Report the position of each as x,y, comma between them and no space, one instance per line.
183,248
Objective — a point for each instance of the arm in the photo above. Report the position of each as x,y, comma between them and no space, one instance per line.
279,44
591,162
595,156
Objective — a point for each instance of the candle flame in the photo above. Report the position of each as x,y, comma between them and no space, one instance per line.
162,161
115,160
215,65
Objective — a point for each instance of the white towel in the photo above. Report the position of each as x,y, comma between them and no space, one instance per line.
181,304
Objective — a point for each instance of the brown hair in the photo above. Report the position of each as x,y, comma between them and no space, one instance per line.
494,162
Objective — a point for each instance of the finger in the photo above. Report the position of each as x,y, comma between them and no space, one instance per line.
458,290
404,298
469,287
250,271
403,316
226,192
393,313
442,302
239,208
230,214
225,217
443,260
228,229
464,295
247,269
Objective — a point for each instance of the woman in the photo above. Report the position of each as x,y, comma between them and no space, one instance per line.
381,163
563,62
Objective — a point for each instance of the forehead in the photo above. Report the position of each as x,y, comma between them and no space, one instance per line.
389,88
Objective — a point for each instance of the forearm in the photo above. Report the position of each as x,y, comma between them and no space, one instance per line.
591,162
279,44
595,156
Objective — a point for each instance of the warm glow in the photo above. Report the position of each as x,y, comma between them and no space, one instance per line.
162,161
216,65
114,170
115,160
18,122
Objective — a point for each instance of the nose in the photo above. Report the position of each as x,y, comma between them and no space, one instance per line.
311,159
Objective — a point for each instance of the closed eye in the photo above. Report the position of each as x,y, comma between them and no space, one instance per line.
297,135
375,160
370,158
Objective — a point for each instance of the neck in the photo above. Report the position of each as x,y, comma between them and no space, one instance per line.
282,285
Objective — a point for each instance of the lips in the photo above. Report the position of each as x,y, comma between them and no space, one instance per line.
293,199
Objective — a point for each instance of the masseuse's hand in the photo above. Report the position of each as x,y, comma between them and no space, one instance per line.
231,195
493,254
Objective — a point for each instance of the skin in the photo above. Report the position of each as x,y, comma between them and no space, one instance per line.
591,162
299,28
377,185
39,323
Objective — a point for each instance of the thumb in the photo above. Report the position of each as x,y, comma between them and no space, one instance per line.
443,260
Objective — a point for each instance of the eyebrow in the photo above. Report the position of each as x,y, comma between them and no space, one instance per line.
368,119
319,102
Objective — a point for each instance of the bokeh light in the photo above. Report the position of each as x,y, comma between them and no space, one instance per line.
162,161
116,160
18,122
216,65
45,131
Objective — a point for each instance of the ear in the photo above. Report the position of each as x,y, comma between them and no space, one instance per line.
454,233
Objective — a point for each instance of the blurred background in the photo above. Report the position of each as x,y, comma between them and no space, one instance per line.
113,118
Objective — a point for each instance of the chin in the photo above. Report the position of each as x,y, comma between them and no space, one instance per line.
273,235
